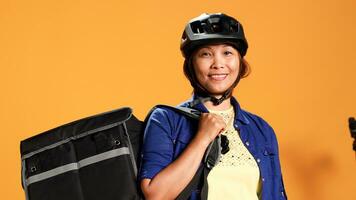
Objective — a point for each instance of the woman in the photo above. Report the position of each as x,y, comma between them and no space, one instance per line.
214,47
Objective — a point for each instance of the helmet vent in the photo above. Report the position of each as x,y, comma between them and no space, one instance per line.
197,27
216,28
234,27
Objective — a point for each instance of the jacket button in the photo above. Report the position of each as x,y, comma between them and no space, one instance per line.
258,160
263,179
265,153
247,144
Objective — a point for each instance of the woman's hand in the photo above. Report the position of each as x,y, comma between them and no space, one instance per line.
210,125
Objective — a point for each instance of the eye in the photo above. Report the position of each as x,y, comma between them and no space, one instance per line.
205,54
227,53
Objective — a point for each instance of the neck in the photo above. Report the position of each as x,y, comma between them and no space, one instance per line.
226,104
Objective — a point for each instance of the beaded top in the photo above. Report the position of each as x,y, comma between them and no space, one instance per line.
238,153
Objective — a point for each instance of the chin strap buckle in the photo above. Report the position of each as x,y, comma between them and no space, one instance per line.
218,101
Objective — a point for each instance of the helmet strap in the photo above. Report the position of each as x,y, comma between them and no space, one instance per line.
218,101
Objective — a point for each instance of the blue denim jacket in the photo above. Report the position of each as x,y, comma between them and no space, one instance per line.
167,134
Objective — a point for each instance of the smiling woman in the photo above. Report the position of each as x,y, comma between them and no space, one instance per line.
216,67
248,167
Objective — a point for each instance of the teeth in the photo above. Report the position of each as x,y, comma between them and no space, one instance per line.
218,75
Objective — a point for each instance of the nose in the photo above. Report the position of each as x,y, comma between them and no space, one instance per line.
218,62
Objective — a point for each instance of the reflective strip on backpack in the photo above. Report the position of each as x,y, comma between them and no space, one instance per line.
77,165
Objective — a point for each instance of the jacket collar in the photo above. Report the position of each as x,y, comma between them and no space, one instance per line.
240,116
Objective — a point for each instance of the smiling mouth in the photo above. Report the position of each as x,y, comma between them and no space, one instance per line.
217,77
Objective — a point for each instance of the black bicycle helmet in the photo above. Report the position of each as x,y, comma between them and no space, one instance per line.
211,28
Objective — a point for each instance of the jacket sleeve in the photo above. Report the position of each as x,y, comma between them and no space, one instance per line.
157,150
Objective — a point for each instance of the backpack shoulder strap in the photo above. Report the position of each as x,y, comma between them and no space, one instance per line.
189,112
200,179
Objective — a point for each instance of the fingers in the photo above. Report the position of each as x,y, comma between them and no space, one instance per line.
211,125
216,120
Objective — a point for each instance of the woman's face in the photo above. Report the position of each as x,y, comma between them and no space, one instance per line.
216,67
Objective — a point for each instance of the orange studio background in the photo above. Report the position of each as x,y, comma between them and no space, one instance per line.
64,60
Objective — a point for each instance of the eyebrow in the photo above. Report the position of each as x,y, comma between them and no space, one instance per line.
203,47
228,45
208,46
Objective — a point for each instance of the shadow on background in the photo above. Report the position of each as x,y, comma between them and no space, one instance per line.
310,170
